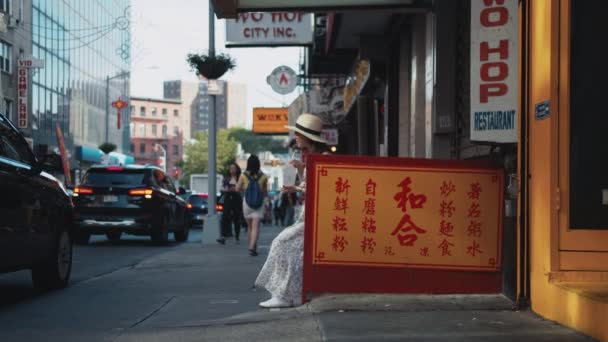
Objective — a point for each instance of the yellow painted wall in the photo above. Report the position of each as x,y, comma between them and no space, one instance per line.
550,301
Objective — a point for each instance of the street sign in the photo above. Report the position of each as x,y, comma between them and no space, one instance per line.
31,62
22,90
214,88
283,80
494,74
330,135
23,66
270,120
269,29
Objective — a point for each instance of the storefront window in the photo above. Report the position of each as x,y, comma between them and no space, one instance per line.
588,121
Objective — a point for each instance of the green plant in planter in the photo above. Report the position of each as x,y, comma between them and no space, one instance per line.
211,67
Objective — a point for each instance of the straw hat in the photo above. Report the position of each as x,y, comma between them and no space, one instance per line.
309,126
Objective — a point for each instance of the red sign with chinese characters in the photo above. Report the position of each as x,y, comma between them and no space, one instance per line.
376,213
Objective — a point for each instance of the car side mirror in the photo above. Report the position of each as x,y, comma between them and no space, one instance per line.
51,163
181,190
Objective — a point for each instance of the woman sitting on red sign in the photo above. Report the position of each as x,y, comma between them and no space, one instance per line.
281,275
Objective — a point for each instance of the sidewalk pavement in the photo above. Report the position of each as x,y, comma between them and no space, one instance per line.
357,317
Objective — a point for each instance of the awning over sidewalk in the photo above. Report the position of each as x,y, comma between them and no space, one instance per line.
88,154
94,155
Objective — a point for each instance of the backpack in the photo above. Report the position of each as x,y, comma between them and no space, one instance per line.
254,197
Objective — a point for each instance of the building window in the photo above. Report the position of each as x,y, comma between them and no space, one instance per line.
5,6
8,107
164,111
175,130
132,148
142,130
142,148
5,57
132,129
154,111
154,131
175,112
175,150
142,111
165,149
164,131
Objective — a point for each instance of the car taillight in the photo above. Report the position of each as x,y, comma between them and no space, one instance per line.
189,205
114,168
147,193
82,191
219,207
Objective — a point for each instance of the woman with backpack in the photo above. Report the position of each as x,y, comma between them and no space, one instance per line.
281,275
254,185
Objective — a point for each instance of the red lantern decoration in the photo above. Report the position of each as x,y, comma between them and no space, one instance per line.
119,105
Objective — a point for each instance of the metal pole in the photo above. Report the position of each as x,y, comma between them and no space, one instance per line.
212,157
211,30
107,108
212,141
212,226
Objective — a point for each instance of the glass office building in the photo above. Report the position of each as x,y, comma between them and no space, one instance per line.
85,46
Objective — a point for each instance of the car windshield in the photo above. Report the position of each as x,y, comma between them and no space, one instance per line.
102,177
197,200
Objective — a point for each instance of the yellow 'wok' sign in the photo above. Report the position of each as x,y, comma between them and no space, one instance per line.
270,120
391,215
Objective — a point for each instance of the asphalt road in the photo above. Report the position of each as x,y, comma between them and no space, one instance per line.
99,258
131,284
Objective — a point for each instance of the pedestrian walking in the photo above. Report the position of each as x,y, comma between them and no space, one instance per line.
254,184
233,205
281,274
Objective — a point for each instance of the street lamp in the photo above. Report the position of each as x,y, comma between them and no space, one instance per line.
108,79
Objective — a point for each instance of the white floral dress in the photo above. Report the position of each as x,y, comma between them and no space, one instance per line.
281,275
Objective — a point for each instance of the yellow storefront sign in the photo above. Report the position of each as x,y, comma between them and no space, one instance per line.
407,216
270,120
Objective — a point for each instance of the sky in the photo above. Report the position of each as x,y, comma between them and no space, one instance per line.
164,32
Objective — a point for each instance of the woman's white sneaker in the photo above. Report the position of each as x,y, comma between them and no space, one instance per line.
275,303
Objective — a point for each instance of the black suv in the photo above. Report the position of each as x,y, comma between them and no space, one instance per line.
134,199
35,213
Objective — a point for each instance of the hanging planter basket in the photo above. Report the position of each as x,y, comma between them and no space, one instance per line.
107,147
210,67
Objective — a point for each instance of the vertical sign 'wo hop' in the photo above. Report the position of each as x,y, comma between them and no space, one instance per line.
494,54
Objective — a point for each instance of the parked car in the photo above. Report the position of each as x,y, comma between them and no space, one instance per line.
134,199
197,207
35,213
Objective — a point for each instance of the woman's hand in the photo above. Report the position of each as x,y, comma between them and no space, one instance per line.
297,164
